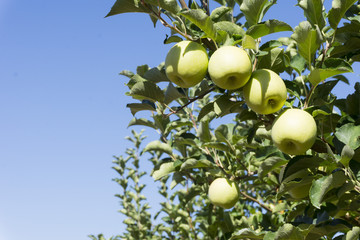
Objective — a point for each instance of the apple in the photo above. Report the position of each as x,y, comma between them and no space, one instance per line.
230,67
223,193
186,64
294,131
265,93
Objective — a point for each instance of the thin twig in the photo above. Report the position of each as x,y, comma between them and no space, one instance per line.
191,100
257,201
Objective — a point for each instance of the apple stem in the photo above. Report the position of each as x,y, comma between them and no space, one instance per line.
308,97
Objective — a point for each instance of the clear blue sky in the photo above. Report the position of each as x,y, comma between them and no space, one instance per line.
63,114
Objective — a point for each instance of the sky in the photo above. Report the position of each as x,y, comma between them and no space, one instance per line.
63,111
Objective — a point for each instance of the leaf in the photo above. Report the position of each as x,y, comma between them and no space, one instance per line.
194,163
224,105
141,121
289,231
137,107
156,75
330,67
219,12
147,90
203,131
126,6
298,63
164,170
158,146
338,10
270,164
299,163
248,42
274,60
254,10
349,134
218,146
313,11
308,40
353,234
169,5
230,28
268,27
347,154
224,132
200,19
172,93
323,185
247,233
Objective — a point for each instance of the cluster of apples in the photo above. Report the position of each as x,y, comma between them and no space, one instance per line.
229,67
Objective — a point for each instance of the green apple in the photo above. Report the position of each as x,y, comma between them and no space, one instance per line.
265,93
186,64
294,131
230,67
223,193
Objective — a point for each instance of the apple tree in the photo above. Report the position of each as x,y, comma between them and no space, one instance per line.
258,123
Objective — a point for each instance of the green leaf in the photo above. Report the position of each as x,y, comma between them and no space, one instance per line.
270,164
224,132
219,12
299,163
347,154
172,93
225,105
247,233
254,10
248,42
194,163
330,67
289,231
298,63
203,131
169,5
338,10
274,60
353,234
323,185
230,28
163,170
313,11
200,19
156,75
308,40
141,121
349,134
137,107
147,90
158,146
126,6
268,27
217,146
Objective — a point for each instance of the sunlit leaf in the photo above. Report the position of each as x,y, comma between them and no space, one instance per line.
254,10
339,7
323,185
313,11
308,40
200,19
268,27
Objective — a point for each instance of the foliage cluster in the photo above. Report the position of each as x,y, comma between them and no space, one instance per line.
206,132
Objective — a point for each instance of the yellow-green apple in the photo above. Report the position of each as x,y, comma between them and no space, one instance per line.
223,193
294,131
230,67
265,92
186,63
